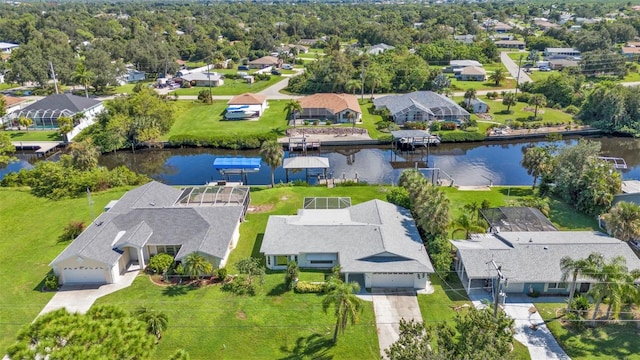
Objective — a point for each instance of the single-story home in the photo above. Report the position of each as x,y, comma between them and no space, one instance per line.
501,27
7,48
471,73
477,106
530,260
457,65
559,64
135,75
379,49
289,47
375,243
246,105
546,25
561,53
45,113
465,39
630,52
212,79
421,106
510,44
308,42
335,107
14,103
264,62
152,219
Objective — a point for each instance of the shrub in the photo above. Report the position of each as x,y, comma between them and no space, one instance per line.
51,282
571,109
460,136
399,196
448,126
227,141
328,122
305,287
523,97
72,230
160,263
221,273
241,285
415,125
471,129
581,305
291,275
533,294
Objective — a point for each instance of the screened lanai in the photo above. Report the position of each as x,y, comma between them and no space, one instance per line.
42,118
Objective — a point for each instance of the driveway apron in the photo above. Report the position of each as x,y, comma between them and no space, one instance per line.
390,306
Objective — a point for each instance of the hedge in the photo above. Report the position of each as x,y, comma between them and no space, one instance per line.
305,287
232,141
460,136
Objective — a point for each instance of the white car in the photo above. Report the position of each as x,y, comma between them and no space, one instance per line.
287,67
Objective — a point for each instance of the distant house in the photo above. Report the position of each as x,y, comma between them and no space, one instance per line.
379,49
45,113
136,75
559,64
510,44
630,52
472,73
530,260
561,53
478,106
13,103
288,49
465,39
154,219
264,62
335,107
546,25
246,106
7,48
421,106
204,79
308,42
455,66
500,27
375,243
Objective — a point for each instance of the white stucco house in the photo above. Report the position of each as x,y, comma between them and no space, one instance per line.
375,243
152,219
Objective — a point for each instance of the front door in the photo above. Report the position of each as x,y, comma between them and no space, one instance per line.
584,287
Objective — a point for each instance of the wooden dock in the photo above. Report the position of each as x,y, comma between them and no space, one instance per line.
303,144
41,148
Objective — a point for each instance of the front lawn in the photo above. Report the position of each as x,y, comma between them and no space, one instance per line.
194,118
232,87
29,232
34,135
460,85
613,341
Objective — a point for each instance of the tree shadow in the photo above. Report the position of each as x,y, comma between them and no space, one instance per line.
16,134
314,346
255,252
40,285
176,290
278,289
278,131
516,191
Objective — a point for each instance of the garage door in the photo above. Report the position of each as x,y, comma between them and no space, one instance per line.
392,280
84,275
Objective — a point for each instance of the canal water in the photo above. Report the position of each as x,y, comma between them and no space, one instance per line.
485,163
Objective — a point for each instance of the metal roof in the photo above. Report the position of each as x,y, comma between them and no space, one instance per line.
240,163
409,134
517,219
306,162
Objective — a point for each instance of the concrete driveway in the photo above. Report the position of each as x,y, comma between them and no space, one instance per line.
390,306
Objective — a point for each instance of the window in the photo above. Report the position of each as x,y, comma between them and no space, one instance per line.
321,261
557,286
282,260
168,249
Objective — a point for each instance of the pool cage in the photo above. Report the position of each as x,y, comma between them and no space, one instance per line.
516,219
195,196
42,119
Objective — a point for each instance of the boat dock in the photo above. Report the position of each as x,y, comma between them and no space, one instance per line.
303,144
41,148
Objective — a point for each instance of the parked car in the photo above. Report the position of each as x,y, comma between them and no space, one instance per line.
544,69
243,67
287,67
275,72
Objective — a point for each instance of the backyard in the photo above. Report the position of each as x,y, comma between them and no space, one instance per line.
232,87
34,135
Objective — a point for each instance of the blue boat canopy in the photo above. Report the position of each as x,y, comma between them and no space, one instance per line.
239,163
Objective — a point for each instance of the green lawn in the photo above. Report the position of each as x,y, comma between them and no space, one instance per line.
540,75
517,111
34,135
29,231
459,85
199,119
614,341
6,86
209,323
128,88
515,56
232,87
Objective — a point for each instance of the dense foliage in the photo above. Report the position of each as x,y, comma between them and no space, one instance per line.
613,108
160,263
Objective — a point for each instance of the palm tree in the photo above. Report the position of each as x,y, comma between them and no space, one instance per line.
352,116
509,99
623,221
538,162
537,100
498,76
3,105
573,268
353,85
469,95
608,275
291,108
196,265
82,76
346,304
466,224
65,125
84,155
156,321
273,154
25,122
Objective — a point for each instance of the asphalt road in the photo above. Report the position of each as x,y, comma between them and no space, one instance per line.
512,67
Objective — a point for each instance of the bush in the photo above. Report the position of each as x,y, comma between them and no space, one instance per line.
523,97
328,122
571,109
399,196
72,230
448,126
460,136
51,282
160,263
241,285
179,270
221,273
305,287
580,305
415,125
227,141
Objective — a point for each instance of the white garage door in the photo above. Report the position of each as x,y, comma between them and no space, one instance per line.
84,275
392,280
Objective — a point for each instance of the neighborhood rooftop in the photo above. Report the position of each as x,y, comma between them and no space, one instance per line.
67,104
428,101
517,219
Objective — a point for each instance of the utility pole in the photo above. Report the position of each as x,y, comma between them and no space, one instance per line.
53,75
498,290
518,77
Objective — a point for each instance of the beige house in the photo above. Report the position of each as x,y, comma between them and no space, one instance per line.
264,62
472,73
326,106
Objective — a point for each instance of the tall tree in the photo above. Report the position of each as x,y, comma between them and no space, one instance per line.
353,85
82,76
573,268
608,275
414,343
3,105
509,100
272,153
292,108
465,224
156,321
498,76
6,149
346,304
469,95
538,162
84,155
623,221
25,122
537,100
195,265
65,126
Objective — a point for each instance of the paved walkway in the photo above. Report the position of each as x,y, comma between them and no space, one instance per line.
80,298
540,342
512,67
390,305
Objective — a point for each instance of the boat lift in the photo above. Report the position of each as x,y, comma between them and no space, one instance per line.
228,166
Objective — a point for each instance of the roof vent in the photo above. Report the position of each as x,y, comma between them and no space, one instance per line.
98,223
530,239
152,204
546,248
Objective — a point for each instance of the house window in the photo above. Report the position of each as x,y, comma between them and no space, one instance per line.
168,249
321,261
282,260
557,286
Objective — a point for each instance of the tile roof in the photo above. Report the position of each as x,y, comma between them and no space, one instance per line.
12,100
374,236
535,256
247,99
473,70
428,101
60,102
631,50
333,102
265,60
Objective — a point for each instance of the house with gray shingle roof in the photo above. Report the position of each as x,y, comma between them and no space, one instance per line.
421,106
530,260
375,243
152,219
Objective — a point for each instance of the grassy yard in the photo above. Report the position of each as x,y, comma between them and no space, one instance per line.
200,119
614,341
209,323
6,86
459,85
34,135
29,232
232,87
518,111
